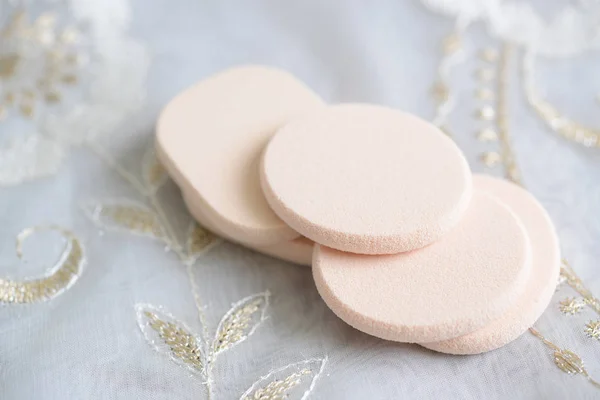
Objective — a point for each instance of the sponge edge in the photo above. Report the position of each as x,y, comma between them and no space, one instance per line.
298,251
359,178
542,281
210,139
450,288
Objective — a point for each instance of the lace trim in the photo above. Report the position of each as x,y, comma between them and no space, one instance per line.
573,29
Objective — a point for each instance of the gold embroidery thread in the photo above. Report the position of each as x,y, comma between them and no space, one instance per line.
451,55
487,113
59,278
592,329
491,158
154,173
568,275
126,215
487,135
199,241
52,61
564,359
236,325
554,119
182,344
171,337
278,390
278,384
571,305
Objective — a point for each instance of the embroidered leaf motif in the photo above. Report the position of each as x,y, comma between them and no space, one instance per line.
571,305
568,362
199,241
154,173
278,389
592,329
170,336
296,379
133,217
241,321
57,280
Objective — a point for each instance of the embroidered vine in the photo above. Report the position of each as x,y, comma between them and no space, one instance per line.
173,338
196,351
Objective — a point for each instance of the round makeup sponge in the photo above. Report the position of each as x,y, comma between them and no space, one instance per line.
366,179
450,288
545,268
210,139
298,251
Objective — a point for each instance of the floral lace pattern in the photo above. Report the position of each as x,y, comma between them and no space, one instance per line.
139,303
572,29
42,64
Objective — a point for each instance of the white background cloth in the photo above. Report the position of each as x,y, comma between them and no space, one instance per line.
86,342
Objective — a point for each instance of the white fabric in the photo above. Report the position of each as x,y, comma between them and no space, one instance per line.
86,342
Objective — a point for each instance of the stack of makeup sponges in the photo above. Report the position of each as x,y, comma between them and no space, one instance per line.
406,244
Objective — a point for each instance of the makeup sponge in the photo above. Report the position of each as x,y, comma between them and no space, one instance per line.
545,264
210,138
298,251
366,179
452,287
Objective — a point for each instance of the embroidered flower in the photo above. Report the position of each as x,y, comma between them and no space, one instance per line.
37,59
43,85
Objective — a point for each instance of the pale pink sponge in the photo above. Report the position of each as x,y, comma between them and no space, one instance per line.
454,286
297,251
366,179
408,245
542,280
210,138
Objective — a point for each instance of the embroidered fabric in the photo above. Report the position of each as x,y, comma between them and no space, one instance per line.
72,78
163,309
551,28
